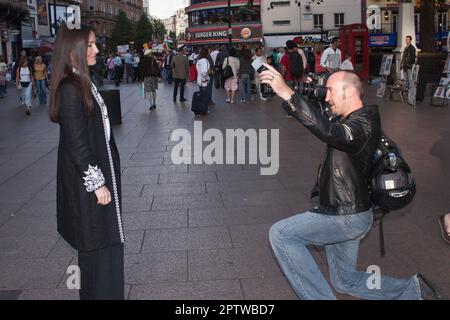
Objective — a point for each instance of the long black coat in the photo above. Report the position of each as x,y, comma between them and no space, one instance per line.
83,223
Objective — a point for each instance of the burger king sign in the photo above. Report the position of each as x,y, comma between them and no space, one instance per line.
246,33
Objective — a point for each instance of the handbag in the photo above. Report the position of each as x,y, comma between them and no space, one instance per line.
228,71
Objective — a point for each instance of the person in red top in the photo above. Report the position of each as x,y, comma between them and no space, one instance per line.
292,77
318,50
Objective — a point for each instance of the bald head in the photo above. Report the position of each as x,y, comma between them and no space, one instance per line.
348,79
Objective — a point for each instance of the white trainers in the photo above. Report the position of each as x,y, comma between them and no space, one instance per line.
227,101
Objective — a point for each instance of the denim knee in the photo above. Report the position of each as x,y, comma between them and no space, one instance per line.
275,234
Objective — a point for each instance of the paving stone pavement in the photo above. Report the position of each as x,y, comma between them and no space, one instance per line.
199,231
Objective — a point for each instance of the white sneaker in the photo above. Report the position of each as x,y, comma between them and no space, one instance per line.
227,101
232,101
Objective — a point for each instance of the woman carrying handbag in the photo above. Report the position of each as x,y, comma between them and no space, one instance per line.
25,84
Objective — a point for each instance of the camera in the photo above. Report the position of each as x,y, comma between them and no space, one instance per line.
258,66
313,91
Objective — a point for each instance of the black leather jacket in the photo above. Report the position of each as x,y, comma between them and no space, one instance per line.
342,181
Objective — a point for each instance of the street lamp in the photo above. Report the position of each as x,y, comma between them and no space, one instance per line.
230,30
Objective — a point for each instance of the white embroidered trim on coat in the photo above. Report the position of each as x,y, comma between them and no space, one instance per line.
94,178
103,109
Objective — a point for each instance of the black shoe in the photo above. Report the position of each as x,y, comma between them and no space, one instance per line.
183,100
28,112
174,99
153,107
426,289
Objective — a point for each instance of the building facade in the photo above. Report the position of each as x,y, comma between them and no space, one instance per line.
386,35
181,21
101,14
208,22
170,24
30,25
285,19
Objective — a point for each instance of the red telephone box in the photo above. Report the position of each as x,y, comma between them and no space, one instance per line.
355,40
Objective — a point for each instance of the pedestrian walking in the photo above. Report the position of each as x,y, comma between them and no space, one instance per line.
3,81
203,78
180,72
25,84
149,73
259,86
41,80
246,74
231,84
89,213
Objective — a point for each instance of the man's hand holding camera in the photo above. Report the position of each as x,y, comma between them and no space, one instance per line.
273,78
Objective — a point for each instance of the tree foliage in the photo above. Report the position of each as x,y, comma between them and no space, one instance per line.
159,30
144,31
122,32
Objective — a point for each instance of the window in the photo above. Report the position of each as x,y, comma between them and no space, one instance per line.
91,5
220,16
280,4
318,21
417,22
442,22
282,22
339,20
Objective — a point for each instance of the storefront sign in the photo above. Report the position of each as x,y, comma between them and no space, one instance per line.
383,40
210,34
42,12
246,33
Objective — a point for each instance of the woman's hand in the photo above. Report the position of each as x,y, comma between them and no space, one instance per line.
103,196
273,78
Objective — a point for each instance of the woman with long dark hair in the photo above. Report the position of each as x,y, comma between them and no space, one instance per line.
88,174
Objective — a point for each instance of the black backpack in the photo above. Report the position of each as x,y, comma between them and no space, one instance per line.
392,186
297,69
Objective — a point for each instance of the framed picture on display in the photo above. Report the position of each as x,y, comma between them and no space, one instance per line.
415,73
439,93
447,65
381,90
386,64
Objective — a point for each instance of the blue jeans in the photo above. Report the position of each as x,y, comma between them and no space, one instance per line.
341,236
41,91
245,87
209,88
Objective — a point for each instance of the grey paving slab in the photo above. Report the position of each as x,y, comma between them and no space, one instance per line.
276,288
191,201
250,236
23,247
18,226
32,273
155,220
62,249
140,179
193,290
156,267
237,216
136,204
188,177
154,170
133,243
245,185
38,209
132,190
232,264
173,188
186,239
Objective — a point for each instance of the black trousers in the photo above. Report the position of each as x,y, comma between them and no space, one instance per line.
179,83
102,273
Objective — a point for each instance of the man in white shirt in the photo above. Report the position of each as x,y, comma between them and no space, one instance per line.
259,55
331,57
347,64
214,54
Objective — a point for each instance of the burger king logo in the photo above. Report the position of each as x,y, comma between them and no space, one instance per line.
246,33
